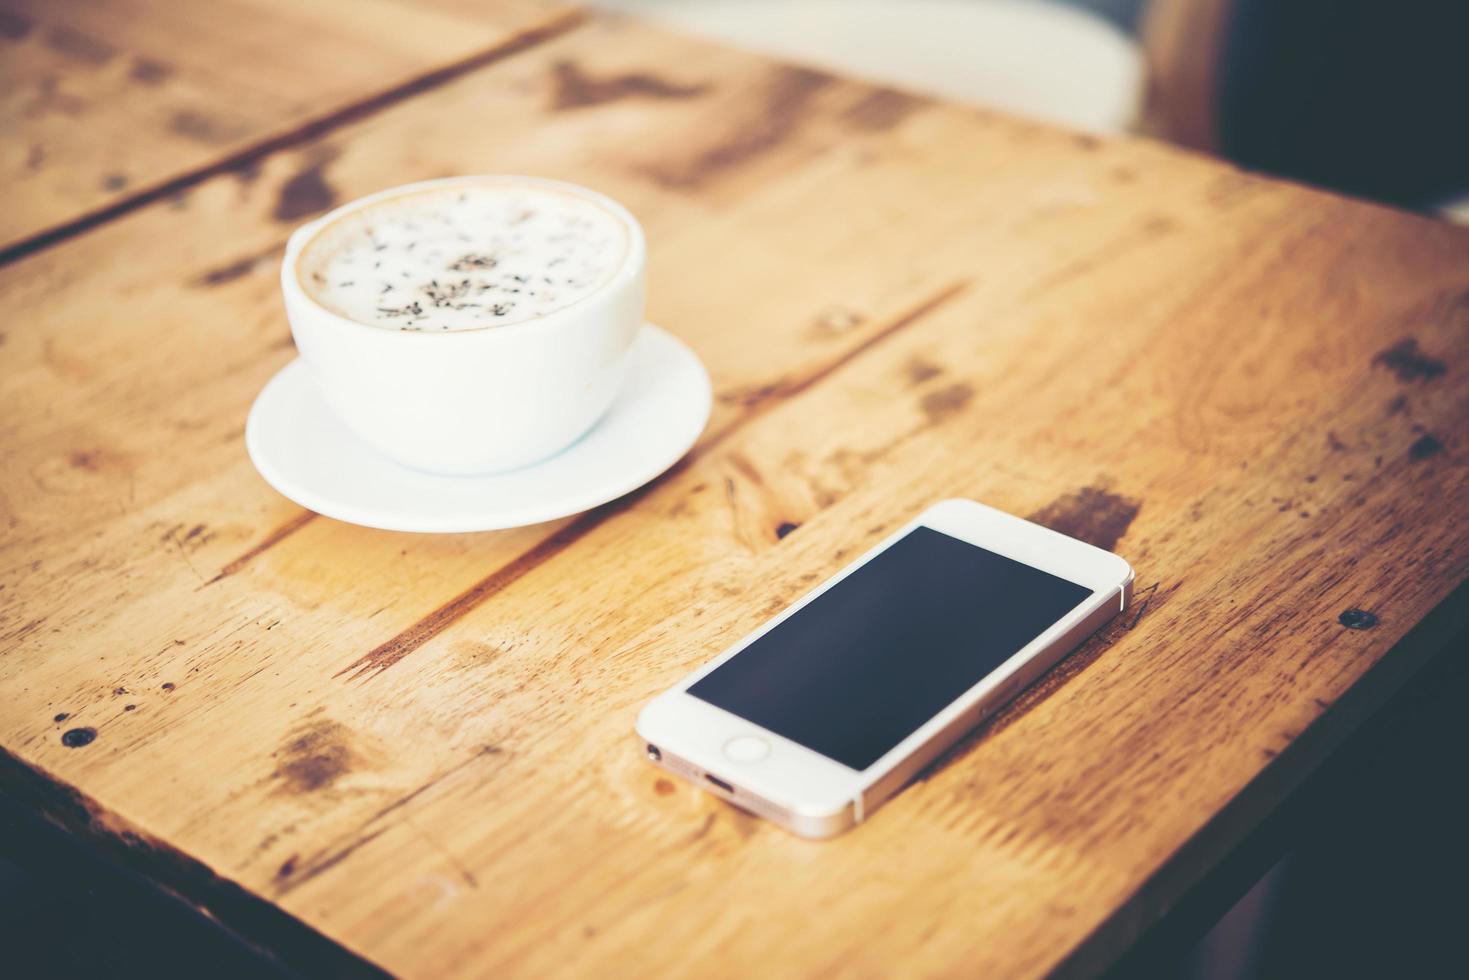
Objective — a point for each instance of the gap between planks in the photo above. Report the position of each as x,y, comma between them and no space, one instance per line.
385,655
311,129
434,623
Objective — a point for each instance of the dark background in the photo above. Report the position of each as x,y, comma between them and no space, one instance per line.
1363,873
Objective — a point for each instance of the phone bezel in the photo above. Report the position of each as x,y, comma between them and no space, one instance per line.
816,791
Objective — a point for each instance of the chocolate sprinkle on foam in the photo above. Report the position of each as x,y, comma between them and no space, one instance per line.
460,258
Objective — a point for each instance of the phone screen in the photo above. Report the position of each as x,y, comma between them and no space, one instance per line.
867,662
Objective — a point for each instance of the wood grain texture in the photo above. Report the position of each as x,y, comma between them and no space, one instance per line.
421,746
106,101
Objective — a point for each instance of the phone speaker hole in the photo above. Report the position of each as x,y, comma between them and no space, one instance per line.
714,780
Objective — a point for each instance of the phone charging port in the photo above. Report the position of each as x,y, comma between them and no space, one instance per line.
720,783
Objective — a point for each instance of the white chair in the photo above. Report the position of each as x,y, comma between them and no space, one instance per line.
1034,58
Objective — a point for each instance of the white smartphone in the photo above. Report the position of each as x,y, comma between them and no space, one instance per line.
826,711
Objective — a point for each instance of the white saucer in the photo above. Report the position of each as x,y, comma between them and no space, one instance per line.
303,451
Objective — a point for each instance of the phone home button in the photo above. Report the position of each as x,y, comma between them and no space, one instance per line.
746,748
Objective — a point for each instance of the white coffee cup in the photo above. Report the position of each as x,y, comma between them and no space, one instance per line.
480,400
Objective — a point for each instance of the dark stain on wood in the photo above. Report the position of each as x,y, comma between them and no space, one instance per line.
920,371
83,459
1357,619
314,757
269,541
1091,514
238,269
784,528
114,182
1423,447
61,717
318,866
78,46
186,540
76,738
574,89
1408,362
130,707
663,787
882,109
789,94
118,692
1398,406
287,866
13,26
220,275
306,193
201,128
149,71
939,405
248,172
168,685
1334,443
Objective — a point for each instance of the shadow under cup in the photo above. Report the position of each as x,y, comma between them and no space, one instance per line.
477,400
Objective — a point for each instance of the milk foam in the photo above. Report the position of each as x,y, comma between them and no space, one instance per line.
463,257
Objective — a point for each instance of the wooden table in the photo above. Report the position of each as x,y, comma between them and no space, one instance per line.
108,103
420,747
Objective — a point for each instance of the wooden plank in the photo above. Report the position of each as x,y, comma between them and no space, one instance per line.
421,746
106,101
